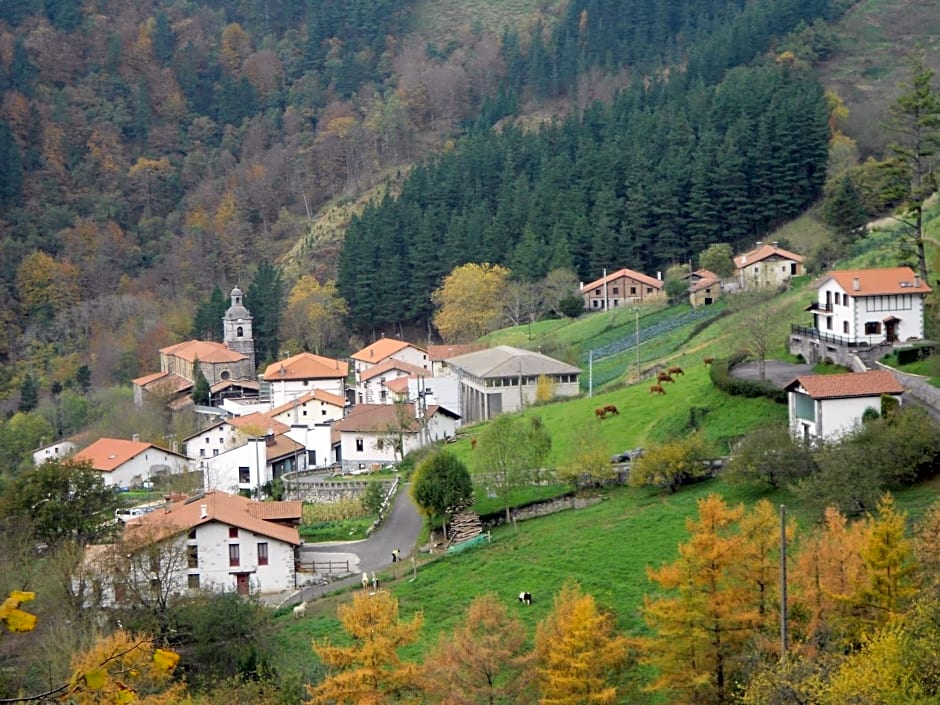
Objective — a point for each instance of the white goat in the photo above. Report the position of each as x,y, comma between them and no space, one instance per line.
300,610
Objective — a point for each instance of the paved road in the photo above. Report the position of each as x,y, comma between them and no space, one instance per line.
776,372
400,530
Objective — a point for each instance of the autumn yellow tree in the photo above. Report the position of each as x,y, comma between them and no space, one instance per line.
470,301
14,618
313,319
672,464
484,661
369,671
579,653
711,610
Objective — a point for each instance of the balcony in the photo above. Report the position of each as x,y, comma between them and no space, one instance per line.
816,307
841,340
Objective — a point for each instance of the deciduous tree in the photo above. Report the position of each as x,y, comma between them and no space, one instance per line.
718,258
313,319
672,464
470,301
484,661
579,651
441,484
370,670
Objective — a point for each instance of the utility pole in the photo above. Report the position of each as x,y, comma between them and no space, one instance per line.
783,582
606,302
637,343
590,373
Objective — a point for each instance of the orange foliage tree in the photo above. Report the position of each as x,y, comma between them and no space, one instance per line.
369,671
484,661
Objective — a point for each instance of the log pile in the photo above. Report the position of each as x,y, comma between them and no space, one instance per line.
464,526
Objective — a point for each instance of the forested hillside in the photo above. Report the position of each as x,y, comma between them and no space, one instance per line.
155,150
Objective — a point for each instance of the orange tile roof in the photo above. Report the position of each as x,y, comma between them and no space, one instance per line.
282,446
701,279
381,349
445,352
147,379
108,454
229,509
871,282
276,511
315,395
306,366
392,364
257,421
399,385
629,274
239,383
763,252
205,351
854,384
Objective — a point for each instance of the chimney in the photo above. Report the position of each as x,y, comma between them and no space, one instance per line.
759,244
203,511
167,501
775,244
917,281
136,438
659,276
856,284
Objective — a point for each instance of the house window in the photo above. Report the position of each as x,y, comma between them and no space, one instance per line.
263,553
233,557
873,328
202,452
845,327
192,556
244,474
233,532
837,299
239,331
383,395
597,292
360,444
616,290
192,534
215,452
633,291
829,322
649,290
192,581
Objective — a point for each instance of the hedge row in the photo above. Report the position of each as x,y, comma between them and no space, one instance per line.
720,374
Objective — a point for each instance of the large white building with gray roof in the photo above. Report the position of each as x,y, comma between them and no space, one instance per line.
504,379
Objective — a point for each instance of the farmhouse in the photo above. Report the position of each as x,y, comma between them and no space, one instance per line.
505,379
373,435
298,375
372,384
860,309
389,349
624,287
124,463
704,287
826,407
767,266
212,541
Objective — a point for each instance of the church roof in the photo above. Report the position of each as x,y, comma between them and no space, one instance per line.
204,351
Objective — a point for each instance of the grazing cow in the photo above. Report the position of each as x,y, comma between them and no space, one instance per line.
675,371
708,361
657,389
473,443
525,598
664,377
611,409
600,413
300,610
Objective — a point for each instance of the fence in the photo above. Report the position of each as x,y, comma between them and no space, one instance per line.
329,567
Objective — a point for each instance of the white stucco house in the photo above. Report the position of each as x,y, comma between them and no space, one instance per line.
248,467
826,407
389,349
369,435
54,451
124,463
505,379
293,377
861,308
372,383
213,541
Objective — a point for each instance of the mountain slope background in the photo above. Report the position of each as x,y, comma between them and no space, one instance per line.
155,151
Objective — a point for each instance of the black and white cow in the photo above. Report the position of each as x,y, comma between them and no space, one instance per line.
525,598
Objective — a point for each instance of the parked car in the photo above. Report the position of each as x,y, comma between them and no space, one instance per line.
626,456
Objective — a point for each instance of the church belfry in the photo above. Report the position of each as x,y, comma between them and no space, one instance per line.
237,327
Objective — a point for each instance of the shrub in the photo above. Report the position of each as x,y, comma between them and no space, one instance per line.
720,374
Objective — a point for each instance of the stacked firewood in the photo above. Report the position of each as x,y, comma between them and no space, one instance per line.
465,525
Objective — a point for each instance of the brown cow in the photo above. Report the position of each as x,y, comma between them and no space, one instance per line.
600,413
657,389
473,443
611,409
664,377
708,360
675,371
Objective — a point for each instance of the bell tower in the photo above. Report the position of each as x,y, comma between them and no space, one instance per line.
237,327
